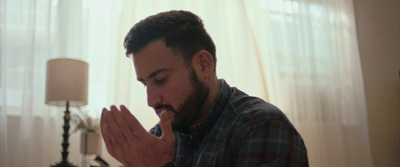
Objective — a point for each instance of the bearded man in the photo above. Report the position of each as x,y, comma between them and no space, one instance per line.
203,121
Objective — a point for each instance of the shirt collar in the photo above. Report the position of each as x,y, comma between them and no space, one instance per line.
219,104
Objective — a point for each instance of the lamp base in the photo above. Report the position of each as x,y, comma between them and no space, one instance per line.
63,164
64,153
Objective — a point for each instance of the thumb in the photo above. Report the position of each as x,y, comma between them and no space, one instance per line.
166,127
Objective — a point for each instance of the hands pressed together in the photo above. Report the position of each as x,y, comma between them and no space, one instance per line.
128,142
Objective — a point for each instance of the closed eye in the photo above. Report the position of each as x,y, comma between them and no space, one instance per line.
158,78
160,82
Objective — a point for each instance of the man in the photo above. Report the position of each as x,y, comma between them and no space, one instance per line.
203,121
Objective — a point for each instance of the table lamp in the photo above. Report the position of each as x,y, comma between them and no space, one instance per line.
66,85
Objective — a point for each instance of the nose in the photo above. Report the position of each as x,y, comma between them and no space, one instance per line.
153,96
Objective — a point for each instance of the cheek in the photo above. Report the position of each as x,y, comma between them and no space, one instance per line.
177,93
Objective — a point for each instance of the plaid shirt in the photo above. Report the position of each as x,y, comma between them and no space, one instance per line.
240,130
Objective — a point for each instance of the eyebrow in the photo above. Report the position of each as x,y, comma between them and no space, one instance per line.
154,73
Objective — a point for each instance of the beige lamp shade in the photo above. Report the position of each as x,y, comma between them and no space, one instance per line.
67,80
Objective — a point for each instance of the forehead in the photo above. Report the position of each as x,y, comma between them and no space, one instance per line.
154,56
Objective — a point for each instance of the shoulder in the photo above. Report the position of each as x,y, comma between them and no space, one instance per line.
252,110
252,116
258,125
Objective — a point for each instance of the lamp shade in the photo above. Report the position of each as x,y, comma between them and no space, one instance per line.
67,80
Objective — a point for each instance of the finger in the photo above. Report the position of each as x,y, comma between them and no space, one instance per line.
123,126
103,125
115,131
119,154
166,127
133,123
106,131
107,116
103,119
113,145
115,148
107,140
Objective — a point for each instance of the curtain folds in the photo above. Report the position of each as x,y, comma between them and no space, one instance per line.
300,55
313,73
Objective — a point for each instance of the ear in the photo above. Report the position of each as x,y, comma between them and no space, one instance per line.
203,64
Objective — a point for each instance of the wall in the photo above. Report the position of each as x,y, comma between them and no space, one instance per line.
379,43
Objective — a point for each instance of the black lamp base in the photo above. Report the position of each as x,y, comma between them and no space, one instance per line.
63,164
64,153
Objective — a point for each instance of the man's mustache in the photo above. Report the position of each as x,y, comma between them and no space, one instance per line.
163,106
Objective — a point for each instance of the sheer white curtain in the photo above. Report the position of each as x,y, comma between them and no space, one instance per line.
309,52
27,126
300,55
33,32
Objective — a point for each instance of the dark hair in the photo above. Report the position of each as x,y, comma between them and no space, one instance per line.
181,30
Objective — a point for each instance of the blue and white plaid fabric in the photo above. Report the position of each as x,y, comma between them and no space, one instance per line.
240,130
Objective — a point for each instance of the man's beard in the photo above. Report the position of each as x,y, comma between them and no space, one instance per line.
190,110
